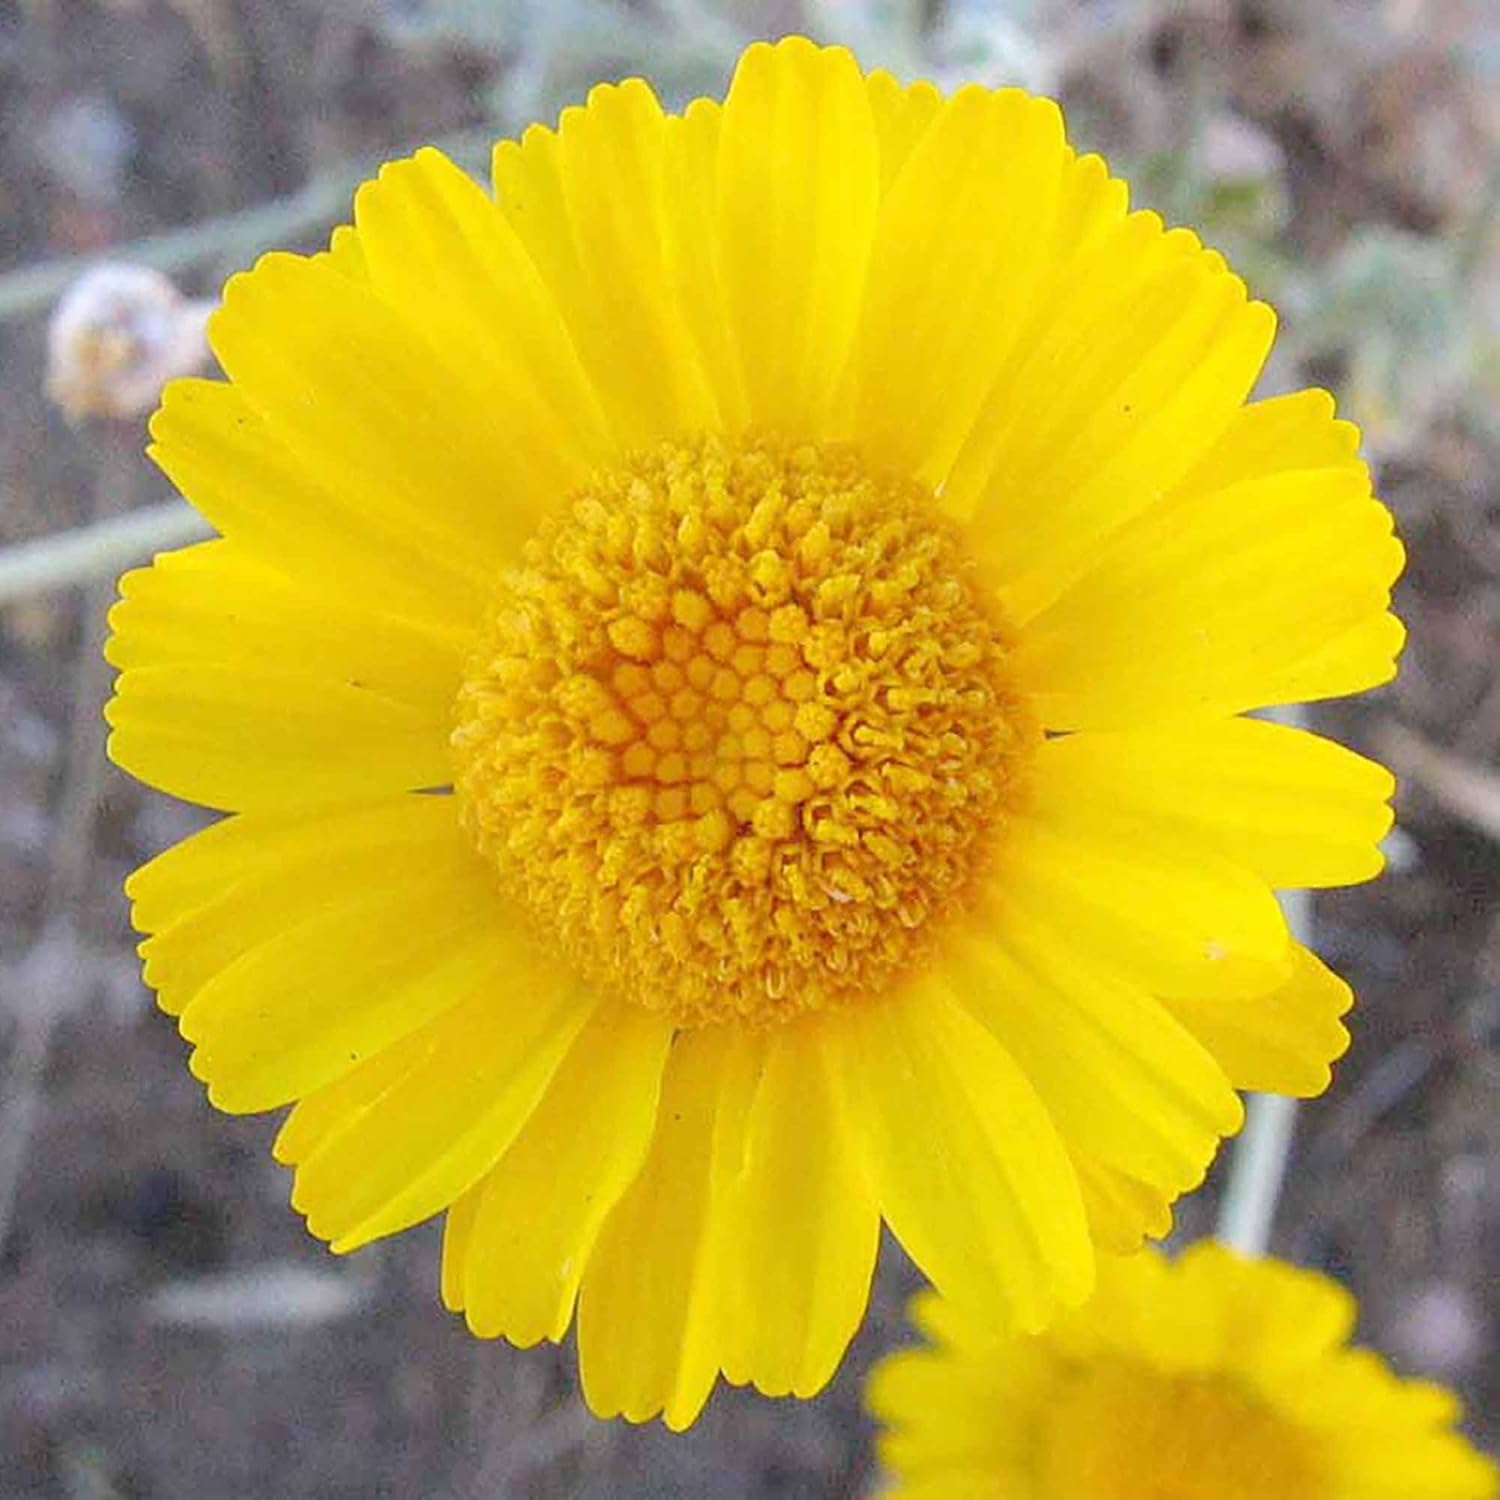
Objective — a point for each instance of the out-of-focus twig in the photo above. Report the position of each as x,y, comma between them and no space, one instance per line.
96,551
270,1296
1382,1089
535,1447
233,237
1466,790
1477,233
1258,1170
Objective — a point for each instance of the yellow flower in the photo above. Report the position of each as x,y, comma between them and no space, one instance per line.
724,662
1207,1378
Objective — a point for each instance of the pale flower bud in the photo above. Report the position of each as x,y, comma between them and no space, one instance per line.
117,336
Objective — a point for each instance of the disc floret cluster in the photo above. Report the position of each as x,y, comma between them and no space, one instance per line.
740,735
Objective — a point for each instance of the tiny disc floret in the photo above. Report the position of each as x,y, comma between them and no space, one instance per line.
739,735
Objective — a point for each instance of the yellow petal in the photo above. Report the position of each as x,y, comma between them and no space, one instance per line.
278,848
942,1422
1282,1042
1295,808
242,690
1211,602
1122,1211
444,1122
955,263
1138,349
458,1234
448,476
1153,1376
692,157
436,247
537,1214
650,1321
1120,1077
1283,434
346,255
902,115
315,944
962,1409
1276,1317
1364,656
597,204
244,739
321,1114
1145,1310
799,1261
1390,1439
798,184
225,458
216,602
1162,910
964,1481
1425,1465
965,1163
306,1004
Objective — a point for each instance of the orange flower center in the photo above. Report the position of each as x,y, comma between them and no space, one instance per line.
1133,1433
740,736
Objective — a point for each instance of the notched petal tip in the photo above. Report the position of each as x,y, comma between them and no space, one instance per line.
406,178
789,52
635,92
1260,322
679,1418
178,400
247,283
248,306
435,159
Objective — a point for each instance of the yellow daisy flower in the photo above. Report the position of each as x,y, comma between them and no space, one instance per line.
1208,1378
725,660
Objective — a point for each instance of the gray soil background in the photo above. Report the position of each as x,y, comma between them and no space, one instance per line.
167,1328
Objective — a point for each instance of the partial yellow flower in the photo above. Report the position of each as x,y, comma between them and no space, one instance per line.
725,661
1206,1378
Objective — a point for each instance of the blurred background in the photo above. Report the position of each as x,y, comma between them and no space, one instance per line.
166,1326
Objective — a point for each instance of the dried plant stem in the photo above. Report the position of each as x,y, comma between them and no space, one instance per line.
98,551
83,768
54,959
1461,786
25,1068
235,237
